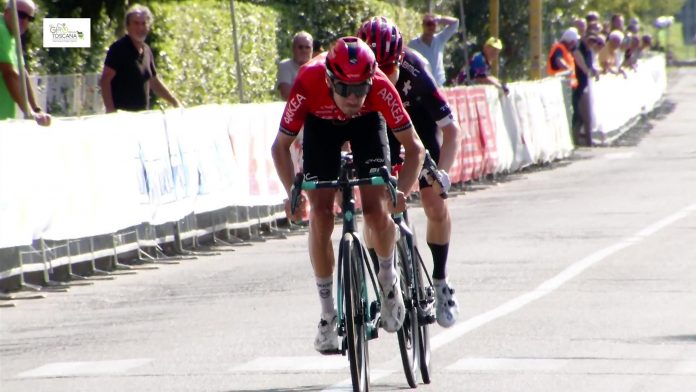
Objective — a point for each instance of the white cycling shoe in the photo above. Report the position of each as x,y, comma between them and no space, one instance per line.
446,306
326,341
393,309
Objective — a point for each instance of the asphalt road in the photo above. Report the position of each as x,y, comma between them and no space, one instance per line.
576,277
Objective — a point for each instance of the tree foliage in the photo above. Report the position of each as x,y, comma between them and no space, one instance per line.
193,40
514,25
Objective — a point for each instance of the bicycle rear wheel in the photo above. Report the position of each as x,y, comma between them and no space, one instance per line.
353,289
409,331
424,326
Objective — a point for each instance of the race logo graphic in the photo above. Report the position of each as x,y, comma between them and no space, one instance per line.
66,33
292,107
393,104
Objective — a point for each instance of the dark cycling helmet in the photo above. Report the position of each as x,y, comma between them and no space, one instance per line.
350,60
384,38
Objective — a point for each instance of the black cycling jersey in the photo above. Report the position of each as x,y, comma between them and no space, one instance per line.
425,104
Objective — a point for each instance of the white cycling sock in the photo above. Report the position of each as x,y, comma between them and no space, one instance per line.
387,272
325,289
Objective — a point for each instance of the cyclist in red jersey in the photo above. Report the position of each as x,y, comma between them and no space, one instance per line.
430,113
339,97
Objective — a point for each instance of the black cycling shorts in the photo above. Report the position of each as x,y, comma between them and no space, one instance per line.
323,139
427,132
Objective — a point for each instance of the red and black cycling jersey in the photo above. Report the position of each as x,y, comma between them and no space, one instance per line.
310,94
419,92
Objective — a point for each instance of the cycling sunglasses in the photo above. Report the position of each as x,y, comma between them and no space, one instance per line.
345,90
24,15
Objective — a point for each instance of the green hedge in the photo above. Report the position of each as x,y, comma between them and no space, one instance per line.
195,52
193,46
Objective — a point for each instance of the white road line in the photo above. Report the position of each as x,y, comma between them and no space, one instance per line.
686,367
508,364
93,368
546,288
293,364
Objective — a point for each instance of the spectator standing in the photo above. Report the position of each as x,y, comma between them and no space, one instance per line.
288,68
617,22
632,53
10,85
611,57
129,68
561,59
633,26
646,43
585,71
480,70
432,45
593,22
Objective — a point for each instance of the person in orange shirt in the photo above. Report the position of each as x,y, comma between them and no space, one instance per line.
561,59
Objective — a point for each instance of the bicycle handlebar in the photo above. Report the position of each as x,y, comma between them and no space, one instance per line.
384,178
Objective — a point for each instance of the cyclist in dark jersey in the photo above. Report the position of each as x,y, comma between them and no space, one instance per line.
339,97
429,111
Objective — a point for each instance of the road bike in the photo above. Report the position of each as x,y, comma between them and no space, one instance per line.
358,299
419,295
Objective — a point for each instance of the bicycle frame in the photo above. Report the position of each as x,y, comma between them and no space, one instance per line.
370,310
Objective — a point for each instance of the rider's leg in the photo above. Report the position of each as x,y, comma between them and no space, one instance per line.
380,231
371,150
395,159
438,229
321,224
321,160
438,237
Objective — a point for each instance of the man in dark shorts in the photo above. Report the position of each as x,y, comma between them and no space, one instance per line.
429,111
342,96
129,69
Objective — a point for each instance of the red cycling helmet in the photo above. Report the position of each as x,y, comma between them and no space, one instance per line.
350,60
384,38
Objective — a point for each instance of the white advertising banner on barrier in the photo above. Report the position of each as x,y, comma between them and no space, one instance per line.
96,175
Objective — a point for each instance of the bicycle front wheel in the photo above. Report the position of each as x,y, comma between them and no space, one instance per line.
354,289
408,334
424,325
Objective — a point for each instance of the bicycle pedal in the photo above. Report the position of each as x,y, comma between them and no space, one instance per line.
426,319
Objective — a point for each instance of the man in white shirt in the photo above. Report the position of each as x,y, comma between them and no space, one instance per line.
432,45
287,69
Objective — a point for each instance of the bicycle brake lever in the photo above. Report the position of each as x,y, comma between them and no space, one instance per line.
390,181
295,192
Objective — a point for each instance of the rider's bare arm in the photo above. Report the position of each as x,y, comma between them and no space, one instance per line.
450,145
413,160
282,159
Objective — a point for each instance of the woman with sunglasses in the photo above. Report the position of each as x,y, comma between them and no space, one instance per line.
10,85
429,111
342,96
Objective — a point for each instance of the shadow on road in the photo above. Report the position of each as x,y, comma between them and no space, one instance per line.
642,128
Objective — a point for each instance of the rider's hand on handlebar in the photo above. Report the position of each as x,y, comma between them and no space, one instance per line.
441,184
400,203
